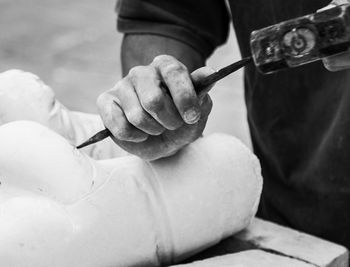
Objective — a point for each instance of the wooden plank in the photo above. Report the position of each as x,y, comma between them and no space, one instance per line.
281,240
272,237
249,258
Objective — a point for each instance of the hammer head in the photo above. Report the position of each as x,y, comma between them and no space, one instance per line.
301,40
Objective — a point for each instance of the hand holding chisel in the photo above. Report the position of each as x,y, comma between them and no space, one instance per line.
200,86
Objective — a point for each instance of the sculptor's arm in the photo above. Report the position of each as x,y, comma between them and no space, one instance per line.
155,45
143,118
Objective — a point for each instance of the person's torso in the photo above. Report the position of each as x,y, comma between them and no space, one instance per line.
300,126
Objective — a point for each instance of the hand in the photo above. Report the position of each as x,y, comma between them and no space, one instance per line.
150,121
341,61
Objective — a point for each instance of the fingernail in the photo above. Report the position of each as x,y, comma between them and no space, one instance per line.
192,115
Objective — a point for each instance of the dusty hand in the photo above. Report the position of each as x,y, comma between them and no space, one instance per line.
341,61
150,122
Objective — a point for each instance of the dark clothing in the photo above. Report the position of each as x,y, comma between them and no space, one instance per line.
299,119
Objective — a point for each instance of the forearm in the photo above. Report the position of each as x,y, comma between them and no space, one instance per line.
140,49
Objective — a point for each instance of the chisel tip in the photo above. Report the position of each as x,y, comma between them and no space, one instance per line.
96,138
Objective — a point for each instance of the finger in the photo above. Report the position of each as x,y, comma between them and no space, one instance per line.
337,62
200,74
153,99
156,147
179,83
190,132
135,114
115,120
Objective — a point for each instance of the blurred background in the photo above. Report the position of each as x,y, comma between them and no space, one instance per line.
73,46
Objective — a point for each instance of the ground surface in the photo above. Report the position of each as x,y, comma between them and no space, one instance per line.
73,47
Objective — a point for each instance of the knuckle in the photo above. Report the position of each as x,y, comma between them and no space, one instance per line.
175,125
142,71
160,59
119,88
159,131
134,71
140,74
172,68
119,85
130,135
137,116
107,107
153,102
122,132
102,100
178,124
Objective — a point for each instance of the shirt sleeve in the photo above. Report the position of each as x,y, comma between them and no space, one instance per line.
201,24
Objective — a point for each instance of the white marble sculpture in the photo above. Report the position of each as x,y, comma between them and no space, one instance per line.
59,207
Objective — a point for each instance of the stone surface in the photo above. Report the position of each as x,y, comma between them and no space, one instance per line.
62,208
